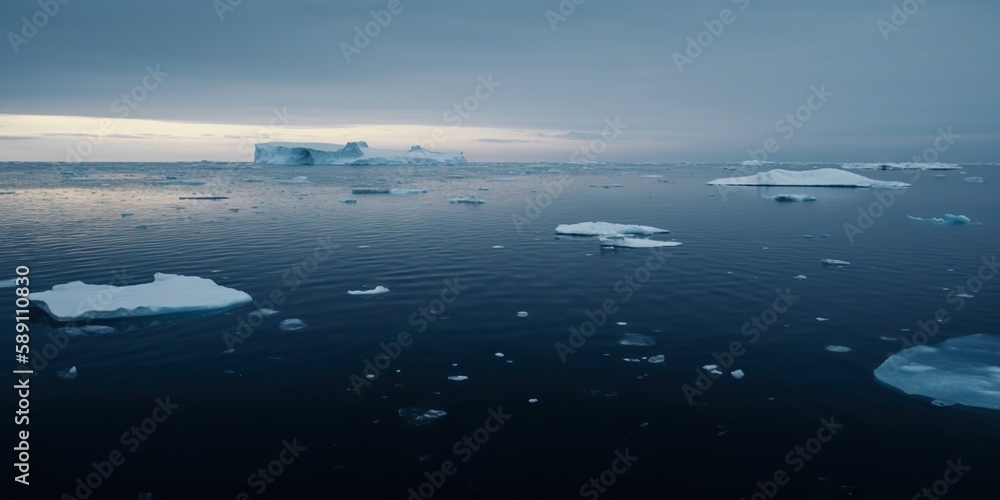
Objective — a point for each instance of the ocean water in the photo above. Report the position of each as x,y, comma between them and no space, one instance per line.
457,296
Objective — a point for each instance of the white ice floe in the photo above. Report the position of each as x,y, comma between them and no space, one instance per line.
7,283
900,166
954,220
715,372
420,416
606,229
497,246
790,197
838,348
458,378
822,319
974,180
522,314
709,368
68,374
290,325
407,191
835,262
375,291
167,294
499,354
737,374
533,400
468,200
353,153
265,312
620,241
637,339
962,370
656,359
799,277
822,177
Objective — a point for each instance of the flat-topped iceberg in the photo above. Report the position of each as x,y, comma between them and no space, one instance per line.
352,153
167,294
961,370
606,229
954,220
822,177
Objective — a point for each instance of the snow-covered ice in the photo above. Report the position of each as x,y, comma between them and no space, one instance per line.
790,197
458,378
375,291
606,229
835,262
737,374
352,153
822,177
290,325
637,339
949,219
656,359
620,241
420,416
167,294
962,370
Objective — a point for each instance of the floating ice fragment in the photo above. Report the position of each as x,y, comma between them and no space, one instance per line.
370,191
606,229
420,416
407,191
938,402
299,179
533,400
468,200
715,372
348,201
737,374
522,314
68,374
656,359
710,367
290,325
606,186
785,198
497,246
458,378
821,177
620,241
974,180
949,219
621,323
167,294
835,262
375,291
799,277
838,348
822,319
499,354
127,214
90,330
265,311
637,339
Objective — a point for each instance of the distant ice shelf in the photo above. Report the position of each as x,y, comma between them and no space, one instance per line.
167,294
352,153
822,177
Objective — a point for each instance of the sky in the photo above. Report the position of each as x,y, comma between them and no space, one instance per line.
512,80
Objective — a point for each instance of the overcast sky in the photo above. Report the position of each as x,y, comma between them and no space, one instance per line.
276,70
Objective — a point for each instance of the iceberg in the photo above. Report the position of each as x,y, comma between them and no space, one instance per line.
620,241
737,374
790,197
458,378
954,220
167,294
606,229
352,153
822,177
375,291
961,370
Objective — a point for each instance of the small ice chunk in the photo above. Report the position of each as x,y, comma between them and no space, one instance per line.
822,319
468,200
499,354
420,416
497,246
533,400
656,359
68,374
265,311
407,191
127,214
229,351
710,367
620,241
838,348
835,262
715,372
606,229
290,325
522,314
375,291
621,323
637,339
349,201
799,277
939,403
370,191
299,179
606,186
458,378
974,180
737,374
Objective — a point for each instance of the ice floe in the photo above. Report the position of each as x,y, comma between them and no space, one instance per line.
606,229
974,180
790,197
90,330
375,291
949,219
799,277
962,370
127,213
290,325
835,262
822,319
656,359
737,374
167,294
522,314
468,200
620,241
637,339
407,191
458,378
822,177
68,374
420,416
348,201
838,348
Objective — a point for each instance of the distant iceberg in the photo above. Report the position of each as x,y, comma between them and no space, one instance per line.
606,229
352,153
790,197
167,294
900,166
822,177
954,220
962,370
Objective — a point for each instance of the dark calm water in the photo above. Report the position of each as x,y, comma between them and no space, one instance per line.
236,410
